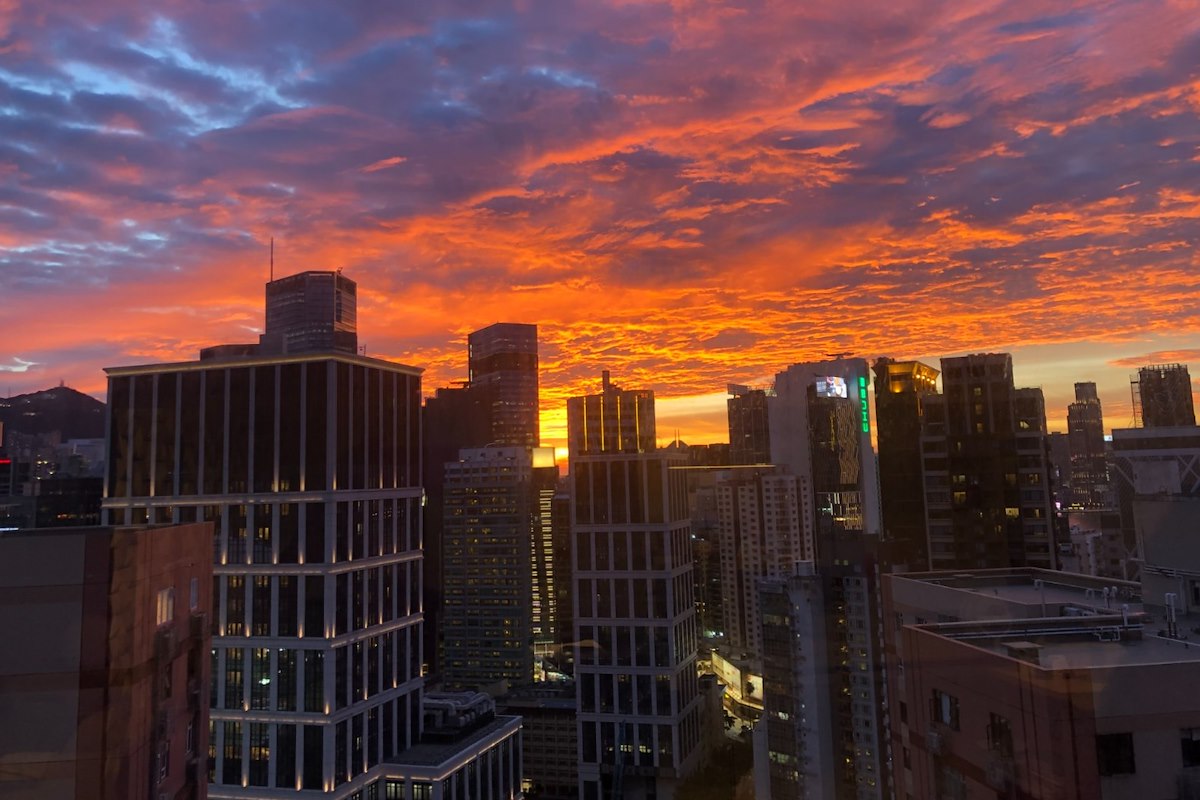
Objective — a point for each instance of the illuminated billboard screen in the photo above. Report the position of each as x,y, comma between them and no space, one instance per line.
831,386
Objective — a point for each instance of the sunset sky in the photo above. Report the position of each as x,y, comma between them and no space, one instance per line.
687,193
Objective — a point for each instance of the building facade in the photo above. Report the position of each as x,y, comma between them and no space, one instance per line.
821,433
1089,461
639,703
1039,684
1162,395
749,426
497,549
988,495
901,390
615,421
104,689
308,467
762,534
311,311
503,362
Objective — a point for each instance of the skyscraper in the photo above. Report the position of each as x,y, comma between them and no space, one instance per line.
824,682
309,467
988,501
311,312
497,509
638,692
453,419
901,389
503,361
1162,396
1089,463
749,426
821,433
763,533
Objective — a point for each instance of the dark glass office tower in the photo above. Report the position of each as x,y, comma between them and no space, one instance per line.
1162,395
901,388
988,500
749,427
1085,438
311,312
503,361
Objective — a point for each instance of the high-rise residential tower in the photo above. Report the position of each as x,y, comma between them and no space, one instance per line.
503,361
762,533
1162,396
1085,437
988,500
638,698
824,682
901,389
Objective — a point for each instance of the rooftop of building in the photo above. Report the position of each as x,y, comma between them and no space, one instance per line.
236,358
1080,642
433,754
1168,437
1035,588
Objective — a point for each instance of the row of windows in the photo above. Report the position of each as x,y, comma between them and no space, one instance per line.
633,550
641,695
635,491
295,605
290,679
261,429
293,756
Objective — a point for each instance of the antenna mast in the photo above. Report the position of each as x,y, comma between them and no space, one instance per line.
272,258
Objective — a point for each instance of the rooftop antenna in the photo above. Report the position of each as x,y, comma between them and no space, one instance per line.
272,258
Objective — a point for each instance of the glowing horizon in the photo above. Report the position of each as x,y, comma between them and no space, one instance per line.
688,194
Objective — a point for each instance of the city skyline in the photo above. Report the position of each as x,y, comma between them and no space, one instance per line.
687,194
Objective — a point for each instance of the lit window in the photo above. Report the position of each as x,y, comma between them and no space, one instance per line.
166,605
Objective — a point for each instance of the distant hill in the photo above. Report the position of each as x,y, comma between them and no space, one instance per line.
75,414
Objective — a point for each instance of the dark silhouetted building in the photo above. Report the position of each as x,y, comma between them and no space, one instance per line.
1162,395
104,676
496,546
503,362
550,738
615,421
1089,462
749,426
453,419
311,312
497,406
901,389
988,498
